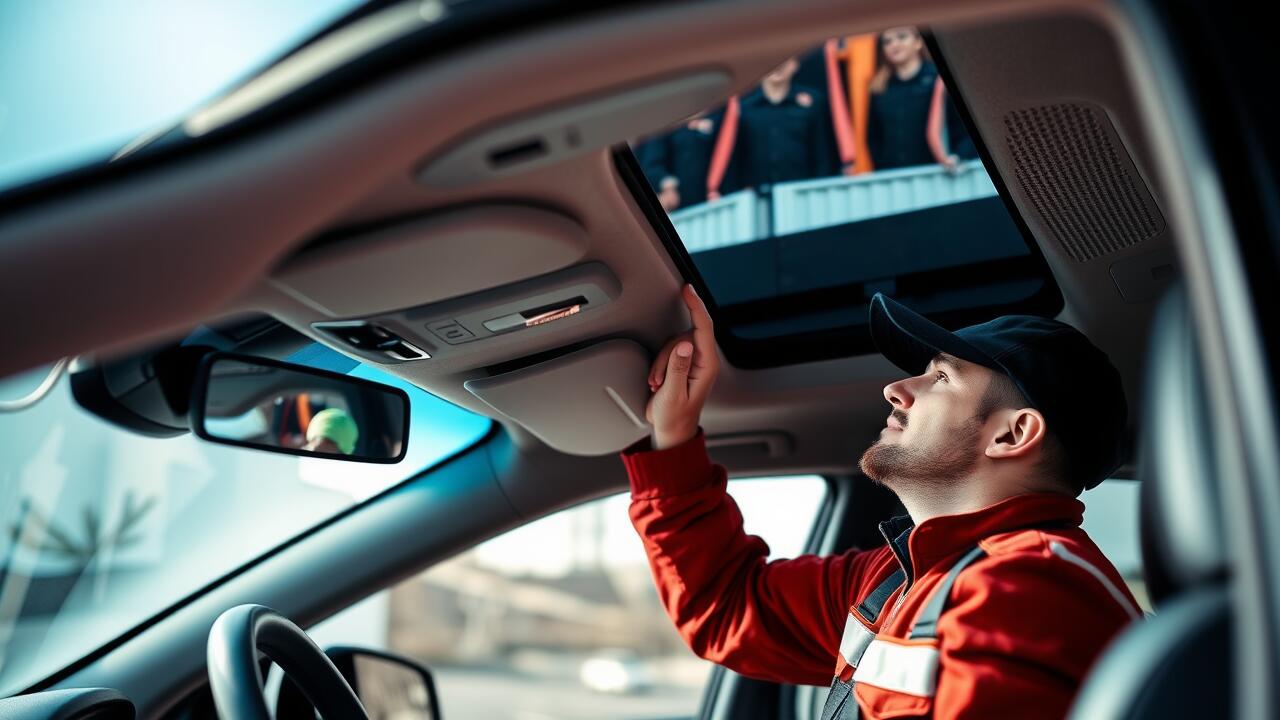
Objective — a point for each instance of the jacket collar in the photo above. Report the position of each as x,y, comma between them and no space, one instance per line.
919,548
757,97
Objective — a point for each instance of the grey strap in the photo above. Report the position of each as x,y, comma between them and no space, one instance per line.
841,704
873,603
926,624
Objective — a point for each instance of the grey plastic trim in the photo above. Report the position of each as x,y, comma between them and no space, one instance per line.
774,444
103,703
1185,530
604,382
1142,278
432,259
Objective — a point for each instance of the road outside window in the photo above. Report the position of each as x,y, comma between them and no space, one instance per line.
560,618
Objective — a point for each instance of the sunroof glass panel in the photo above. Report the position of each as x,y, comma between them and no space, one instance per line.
848,170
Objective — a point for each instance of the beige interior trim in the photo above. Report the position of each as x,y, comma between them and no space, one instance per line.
453,253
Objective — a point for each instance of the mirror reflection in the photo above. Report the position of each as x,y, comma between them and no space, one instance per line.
391,690
301,411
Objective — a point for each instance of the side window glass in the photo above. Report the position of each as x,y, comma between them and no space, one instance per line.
1111,519
560,617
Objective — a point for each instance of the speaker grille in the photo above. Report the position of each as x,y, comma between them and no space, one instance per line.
1078,177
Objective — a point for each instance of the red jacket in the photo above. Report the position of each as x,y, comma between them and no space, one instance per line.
1021,628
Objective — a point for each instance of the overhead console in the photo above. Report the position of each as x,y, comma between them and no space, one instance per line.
448,286
452,327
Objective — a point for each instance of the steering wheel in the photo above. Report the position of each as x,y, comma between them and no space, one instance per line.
236,681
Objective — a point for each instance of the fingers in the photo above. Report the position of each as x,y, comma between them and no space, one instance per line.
678,365
703,357
658,370
704,336
706,361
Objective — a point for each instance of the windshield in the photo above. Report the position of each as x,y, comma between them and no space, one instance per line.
103,528
83,78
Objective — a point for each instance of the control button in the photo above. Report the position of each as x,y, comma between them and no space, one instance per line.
451,332
358,334
402,350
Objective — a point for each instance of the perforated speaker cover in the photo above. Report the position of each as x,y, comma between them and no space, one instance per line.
1077,175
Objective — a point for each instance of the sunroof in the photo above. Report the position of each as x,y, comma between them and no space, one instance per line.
848,170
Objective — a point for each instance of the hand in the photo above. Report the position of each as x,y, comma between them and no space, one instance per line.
681,378
669,198
951,164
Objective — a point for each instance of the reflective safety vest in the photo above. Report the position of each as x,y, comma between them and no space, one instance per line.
911,668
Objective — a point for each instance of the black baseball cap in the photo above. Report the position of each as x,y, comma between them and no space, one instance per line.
1063,375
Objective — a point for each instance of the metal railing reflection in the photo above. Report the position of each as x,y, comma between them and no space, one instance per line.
802,205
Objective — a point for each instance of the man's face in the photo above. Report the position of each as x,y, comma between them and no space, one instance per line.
933,434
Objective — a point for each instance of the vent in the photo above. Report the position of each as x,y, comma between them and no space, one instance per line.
1078,177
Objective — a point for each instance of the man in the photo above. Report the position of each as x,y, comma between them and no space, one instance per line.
784,133
332,431
676,162
988,601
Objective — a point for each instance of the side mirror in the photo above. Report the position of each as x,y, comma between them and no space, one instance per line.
269,405
388,686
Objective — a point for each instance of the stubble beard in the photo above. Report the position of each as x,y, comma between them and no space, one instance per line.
940,462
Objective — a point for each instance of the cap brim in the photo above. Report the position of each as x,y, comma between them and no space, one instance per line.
911,341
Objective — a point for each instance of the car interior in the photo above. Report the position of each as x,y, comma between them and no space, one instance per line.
450,193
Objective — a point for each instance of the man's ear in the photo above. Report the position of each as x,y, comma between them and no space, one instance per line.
1019,433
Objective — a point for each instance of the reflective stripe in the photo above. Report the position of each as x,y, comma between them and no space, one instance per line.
1061,551
855,640
911,669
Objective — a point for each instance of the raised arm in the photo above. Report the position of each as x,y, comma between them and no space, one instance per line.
779,621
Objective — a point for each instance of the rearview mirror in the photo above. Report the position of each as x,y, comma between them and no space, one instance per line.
275,406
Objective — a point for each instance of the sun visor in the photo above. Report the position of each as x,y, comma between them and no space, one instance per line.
589,402
424,261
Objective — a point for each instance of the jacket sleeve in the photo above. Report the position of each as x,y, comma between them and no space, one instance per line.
1020,636
779,621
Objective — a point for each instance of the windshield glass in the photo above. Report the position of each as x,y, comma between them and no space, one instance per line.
81,78
102,528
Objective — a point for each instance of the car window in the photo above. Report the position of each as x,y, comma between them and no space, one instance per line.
100,528
849,169
1111,519
560,618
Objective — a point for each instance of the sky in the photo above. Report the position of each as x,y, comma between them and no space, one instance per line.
81,78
